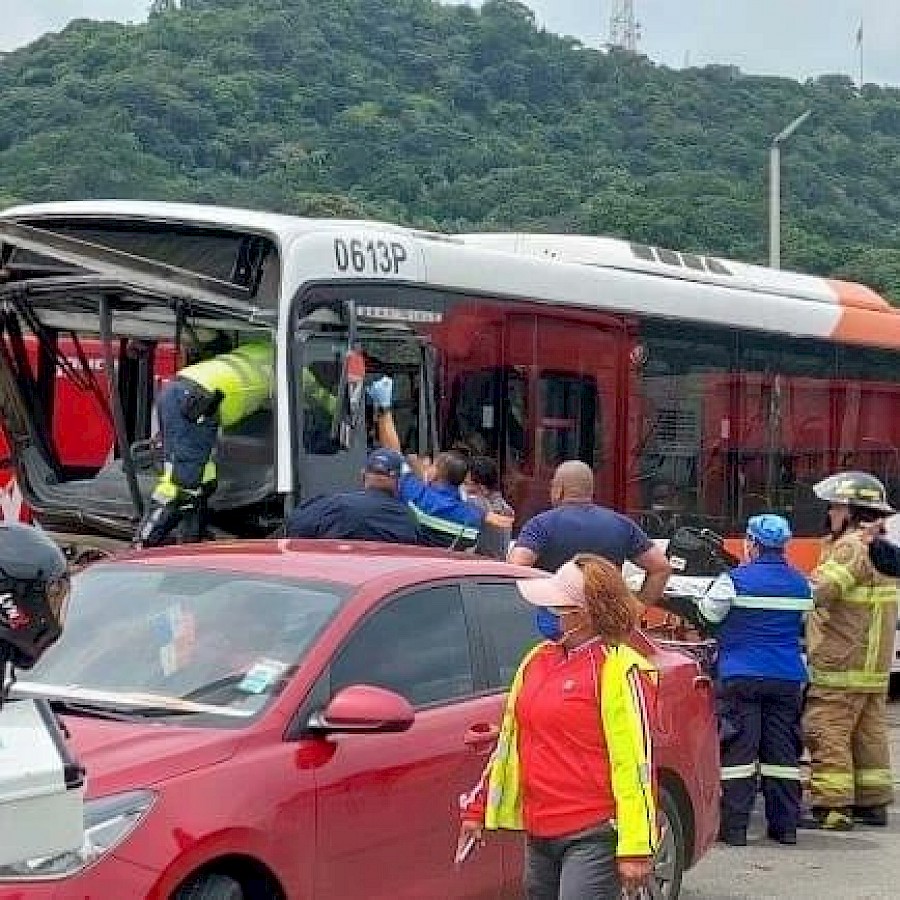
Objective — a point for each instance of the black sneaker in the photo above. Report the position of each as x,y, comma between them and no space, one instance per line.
782,837
827,819
874,816
733,838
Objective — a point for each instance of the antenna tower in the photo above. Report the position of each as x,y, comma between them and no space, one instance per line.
624,30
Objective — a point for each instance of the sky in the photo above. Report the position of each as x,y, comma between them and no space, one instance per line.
795,38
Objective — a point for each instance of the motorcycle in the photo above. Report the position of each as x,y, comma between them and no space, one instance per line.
697,556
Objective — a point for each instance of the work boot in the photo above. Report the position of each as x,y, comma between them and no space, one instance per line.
874,816
840,819
782,836
733,837
159,520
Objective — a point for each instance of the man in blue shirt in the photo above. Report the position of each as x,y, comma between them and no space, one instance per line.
375,513
760,607
578,525
445,518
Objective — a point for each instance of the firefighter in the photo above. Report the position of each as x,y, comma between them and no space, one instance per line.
212,394
760,607
850,639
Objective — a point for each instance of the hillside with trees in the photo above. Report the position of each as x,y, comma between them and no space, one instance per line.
451,118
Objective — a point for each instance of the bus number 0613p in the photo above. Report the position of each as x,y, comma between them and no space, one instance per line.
369,256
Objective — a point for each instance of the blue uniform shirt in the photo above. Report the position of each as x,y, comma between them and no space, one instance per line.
761,606
370,515
445,519
559,534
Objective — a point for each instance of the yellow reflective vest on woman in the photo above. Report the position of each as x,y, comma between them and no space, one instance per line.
629,761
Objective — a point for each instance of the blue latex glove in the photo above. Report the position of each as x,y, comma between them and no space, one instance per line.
381,392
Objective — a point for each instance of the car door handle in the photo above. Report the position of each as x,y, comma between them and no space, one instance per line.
703,681
481,736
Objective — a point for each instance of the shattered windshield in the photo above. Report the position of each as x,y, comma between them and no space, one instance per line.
178,640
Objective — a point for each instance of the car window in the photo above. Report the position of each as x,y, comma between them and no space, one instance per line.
167,636
507,623
416,645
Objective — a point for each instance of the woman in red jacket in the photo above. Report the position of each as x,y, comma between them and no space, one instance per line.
573,766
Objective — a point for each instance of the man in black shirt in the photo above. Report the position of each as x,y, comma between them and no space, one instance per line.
372,514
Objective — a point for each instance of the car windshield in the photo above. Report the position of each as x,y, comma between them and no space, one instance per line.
161,641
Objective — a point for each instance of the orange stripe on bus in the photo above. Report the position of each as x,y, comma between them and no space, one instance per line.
849,293
802,552
868,328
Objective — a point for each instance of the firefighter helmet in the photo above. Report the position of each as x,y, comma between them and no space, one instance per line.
34,592
855,489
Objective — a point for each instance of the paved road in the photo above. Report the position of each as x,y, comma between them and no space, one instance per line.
860,865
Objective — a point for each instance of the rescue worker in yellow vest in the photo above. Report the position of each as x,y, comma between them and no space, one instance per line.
849,640
202,398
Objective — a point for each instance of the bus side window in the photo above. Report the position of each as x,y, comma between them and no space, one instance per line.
319,382
568,416
475,416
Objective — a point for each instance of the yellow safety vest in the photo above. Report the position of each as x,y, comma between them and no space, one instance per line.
245,377
630,760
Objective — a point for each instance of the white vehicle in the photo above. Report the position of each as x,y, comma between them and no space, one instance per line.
701,390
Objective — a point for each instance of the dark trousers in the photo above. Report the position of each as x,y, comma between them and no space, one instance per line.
761,737
575,867
180,501
187,445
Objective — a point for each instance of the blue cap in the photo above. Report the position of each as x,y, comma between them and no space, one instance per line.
769,530
383,461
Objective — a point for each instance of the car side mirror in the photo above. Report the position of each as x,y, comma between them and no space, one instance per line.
363,709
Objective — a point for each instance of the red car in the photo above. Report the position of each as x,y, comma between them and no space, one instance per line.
297,720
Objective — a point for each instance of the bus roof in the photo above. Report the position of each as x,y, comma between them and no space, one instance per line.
583,271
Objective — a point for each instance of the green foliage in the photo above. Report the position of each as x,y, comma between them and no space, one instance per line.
449,117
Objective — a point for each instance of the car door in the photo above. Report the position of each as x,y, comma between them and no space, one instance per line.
388,804
505,622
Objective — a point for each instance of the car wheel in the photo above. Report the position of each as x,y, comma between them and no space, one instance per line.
668,866
211,886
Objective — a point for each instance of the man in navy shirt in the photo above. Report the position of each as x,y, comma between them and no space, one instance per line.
578,525
373,514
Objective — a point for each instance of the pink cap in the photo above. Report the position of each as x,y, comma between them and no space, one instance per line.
564,588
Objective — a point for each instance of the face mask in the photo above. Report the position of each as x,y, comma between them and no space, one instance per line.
548,624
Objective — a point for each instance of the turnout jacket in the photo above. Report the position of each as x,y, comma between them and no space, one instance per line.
850,636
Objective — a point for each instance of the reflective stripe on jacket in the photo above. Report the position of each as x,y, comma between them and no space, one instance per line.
761,633
245,377
850,636
627,736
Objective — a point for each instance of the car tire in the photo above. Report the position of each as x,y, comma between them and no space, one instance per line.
668,866
211,886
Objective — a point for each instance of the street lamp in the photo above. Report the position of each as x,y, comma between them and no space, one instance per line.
775,189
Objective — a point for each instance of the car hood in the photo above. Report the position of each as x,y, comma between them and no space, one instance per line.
121,756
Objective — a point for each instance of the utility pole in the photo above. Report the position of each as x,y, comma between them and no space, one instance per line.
859,46
624,30
157,7
775,189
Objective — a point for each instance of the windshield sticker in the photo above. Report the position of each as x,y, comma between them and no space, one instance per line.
175,630
262,675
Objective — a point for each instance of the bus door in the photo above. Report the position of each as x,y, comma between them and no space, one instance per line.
334,358
575,401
